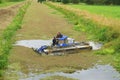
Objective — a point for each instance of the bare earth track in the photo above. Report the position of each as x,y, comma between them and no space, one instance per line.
7,14
42,22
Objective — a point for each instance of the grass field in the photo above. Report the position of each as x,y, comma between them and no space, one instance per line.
7,4
107,11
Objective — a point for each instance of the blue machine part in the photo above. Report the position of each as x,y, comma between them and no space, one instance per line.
64,45
63,37
41,49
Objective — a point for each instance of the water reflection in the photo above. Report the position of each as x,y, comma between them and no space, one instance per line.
98,72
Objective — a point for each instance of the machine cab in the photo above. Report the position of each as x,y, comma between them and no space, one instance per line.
65,41
62,42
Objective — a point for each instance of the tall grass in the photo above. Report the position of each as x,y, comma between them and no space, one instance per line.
3,1
105,34
6,40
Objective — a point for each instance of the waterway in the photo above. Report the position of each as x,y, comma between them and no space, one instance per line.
98,72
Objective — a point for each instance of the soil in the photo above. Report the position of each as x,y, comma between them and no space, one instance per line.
7,14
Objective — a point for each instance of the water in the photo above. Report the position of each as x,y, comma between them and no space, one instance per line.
95,45
98,72
38,43
33,43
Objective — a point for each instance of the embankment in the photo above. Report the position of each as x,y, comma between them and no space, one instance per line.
95,30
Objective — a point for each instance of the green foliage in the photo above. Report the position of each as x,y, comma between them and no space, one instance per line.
6,40
57,78
98,32
15,0
65,1
106,11
81,1
108,2
116,45
3,61
117,61
58,0
104,34
75,1
105,51
2,1
1,74
53,0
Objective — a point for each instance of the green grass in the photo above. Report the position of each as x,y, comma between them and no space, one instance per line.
57,78
107,11
105,34
7,4
6,39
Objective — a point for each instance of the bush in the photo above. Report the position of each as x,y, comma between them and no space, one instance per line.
75,1
116,45
108,2
107,34
1,1
58,0
1,74
65,1
117,62
3,61
81,0
105,51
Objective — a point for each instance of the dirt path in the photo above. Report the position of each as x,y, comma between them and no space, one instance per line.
42,22
7,14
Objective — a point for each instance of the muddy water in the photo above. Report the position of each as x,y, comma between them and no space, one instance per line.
98,72
39,43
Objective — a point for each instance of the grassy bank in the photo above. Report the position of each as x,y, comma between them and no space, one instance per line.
7,4
6,39
99,32
57,78
106,11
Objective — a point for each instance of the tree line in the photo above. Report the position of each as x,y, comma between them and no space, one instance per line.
98,2
2,1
